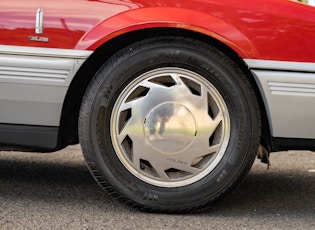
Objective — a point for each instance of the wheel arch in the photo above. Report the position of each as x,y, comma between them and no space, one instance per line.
71,106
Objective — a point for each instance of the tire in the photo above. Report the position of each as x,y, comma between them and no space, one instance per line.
169,124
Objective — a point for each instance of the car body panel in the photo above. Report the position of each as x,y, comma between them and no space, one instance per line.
185,19
288,90
244,28
64,23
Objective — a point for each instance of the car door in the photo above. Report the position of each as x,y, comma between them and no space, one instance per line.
38,58
51,23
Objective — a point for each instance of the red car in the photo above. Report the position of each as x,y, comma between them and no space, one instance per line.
171,100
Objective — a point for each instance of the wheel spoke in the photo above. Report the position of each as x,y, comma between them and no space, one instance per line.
161,173
201,152
187,168
214,125
151,85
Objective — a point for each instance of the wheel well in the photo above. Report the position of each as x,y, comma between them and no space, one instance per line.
71,106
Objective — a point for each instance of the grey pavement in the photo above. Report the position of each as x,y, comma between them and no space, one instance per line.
56,191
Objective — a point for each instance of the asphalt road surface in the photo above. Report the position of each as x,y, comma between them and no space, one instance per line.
56,191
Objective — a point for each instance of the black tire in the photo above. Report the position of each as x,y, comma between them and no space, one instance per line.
116,142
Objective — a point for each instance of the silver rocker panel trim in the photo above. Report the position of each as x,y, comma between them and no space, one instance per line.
288,91
34,82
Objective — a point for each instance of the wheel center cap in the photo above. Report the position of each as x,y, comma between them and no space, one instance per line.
170,127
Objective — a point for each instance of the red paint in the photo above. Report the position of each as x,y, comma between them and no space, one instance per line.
261,29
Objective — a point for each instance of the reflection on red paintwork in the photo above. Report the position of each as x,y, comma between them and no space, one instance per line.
245,26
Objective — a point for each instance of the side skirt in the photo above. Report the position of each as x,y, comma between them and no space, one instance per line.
29,138
284,144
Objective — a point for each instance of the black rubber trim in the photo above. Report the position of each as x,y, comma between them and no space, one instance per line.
282,144
26,137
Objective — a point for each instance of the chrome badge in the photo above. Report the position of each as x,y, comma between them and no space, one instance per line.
38,39
39,21
39,27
